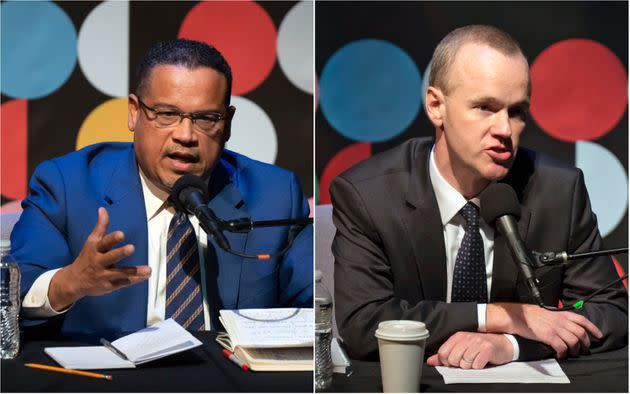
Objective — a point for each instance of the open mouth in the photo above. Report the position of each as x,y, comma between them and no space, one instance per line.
499,153
182,161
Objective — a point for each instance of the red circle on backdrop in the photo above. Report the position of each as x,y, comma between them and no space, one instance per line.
243,32
579,90
13,150
344,159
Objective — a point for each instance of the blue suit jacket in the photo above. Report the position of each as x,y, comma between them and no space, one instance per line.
61,211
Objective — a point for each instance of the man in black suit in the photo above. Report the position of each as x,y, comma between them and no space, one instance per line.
407,226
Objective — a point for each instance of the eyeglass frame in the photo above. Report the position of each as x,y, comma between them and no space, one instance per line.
193,116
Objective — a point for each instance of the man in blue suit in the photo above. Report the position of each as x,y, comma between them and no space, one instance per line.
92,240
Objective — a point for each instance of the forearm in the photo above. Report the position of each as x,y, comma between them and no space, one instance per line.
357,323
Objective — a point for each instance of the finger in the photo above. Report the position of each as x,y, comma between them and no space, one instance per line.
581,334
587,324
455,356
127,276
571,340
140,271
434,360
481,360
101,224
445,351
468,358
115,255
106,243
558,346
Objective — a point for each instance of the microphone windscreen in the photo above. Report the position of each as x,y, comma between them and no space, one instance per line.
185,182
498,199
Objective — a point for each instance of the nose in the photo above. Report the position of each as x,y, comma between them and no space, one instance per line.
184,133
502,126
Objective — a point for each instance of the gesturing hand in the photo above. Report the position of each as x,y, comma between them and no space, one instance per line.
566,332
92,272
473,350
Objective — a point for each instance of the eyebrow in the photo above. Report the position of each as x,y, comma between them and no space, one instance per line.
491,100
166,106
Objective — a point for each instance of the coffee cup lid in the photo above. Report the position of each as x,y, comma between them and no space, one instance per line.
402,330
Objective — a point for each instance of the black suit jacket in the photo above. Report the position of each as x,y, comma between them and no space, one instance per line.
390,259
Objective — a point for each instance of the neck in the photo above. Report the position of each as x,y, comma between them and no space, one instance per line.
468,183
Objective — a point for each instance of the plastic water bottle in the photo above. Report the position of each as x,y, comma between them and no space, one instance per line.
323,334
9,302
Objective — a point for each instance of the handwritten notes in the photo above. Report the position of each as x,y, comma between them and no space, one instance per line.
267,328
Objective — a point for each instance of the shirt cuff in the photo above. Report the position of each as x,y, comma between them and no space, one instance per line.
511,338
36,303
481,317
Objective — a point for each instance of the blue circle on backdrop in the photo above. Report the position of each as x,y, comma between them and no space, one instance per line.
370,90
39,48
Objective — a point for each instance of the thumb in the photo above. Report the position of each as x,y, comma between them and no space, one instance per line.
434,361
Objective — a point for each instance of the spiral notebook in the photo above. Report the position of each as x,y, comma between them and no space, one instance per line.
279,339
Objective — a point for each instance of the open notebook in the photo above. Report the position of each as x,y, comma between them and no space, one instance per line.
157,341
279,339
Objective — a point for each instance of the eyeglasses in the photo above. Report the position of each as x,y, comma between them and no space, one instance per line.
206,122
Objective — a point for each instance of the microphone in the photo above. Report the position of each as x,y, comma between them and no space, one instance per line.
190,194
500,207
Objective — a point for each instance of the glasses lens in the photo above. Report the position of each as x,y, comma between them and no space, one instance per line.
166,118
207,123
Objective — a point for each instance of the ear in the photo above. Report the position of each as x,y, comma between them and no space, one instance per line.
434,105
132,112
229,114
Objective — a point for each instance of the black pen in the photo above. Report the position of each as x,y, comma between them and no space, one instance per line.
111,347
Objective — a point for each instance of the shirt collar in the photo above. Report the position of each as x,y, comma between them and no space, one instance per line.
155,199
449,200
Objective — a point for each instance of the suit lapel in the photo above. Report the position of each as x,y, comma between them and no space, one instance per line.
124,202
424,226
223,270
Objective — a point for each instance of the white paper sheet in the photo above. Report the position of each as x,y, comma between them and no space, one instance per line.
87,357
543,371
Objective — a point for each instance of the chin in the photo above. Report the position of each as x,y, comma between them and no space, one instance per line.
497,173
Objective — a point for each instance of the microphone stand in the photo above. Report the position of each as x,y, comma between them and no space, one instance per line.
554,258
245,225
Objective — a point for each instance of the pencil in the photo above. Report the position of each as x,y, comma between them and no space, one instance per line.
70,371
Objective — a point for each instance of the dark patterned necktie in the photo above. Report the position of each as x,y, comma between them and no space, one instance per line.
469,275
184,302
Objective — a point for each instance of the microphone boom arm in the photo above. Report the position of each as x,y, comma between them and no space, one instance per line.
245,225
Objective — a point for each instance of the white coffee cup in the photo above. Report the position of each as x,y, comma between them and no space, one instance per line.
401,349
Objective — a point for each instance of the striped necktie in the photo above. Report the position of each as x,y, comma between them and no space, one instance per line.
469,274
184,301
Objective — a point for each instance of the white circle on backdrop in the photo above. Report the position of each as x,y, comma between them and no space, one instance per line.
253,133
295,46
606,181
103,48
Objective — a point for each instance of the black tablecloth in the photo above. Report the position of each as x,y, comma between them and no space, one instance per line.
605,372
203,369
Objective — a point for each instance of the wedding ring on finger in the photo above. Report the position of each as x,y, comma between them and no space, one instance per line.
467,361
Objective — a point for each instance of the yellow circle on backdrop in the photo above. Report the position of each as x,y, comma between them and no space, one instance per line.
107,122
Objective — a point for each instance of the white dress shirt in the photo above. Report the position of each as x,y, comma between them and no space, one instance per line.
159,215
450,202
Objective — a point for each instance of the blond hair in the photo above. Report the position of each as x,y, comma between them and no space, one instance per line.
446,50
